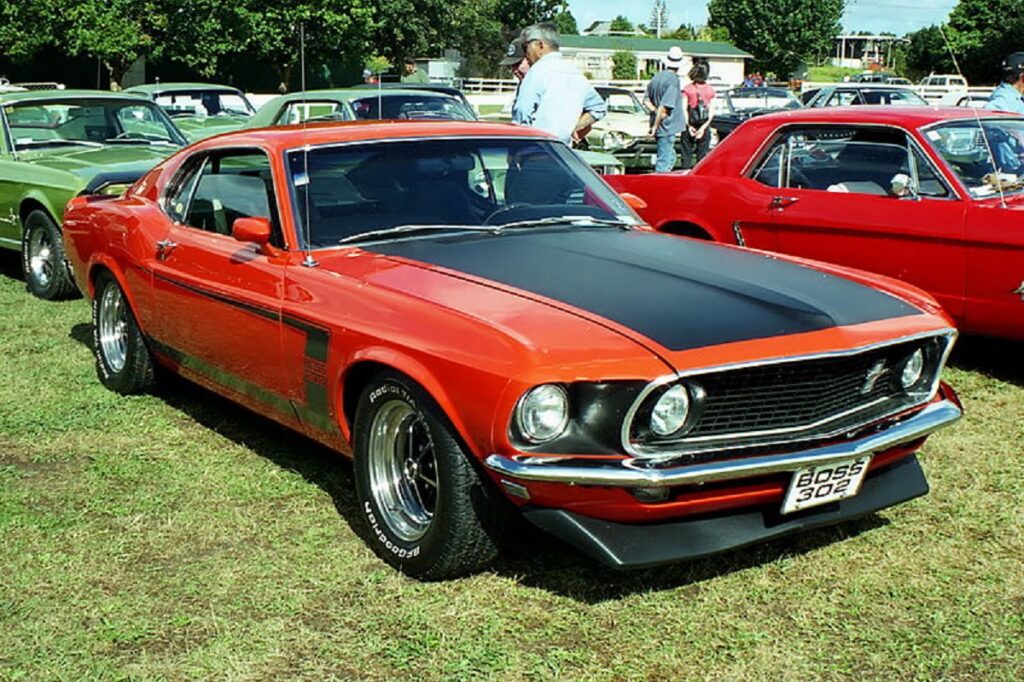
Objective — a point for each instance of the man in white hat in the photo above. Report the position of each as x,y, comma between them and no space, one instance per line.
664,101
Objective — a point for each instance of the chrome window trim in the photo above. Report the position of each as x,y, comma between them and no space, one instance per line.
649,453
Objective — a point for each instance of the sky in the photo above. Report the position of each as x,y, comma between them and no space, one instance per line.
895,16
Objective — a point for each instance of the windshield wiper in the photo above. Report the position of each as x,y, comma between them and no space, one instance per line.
50,143
372,235
493,229
570,219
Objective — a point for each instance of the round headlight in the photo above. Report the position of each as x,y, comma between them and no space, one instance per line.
669,413
912,369
543,413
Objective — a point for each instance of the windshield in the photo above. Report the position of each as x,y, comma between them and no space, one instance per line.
88,122
416,106
622,102
966,148
762,98
355,189
204,103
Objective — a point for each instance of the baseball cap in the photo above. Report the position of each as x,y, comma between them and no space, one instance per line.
1014,63
514,54
674,58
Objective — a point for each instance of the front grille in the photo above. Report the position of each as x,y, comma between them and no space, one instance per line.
799,400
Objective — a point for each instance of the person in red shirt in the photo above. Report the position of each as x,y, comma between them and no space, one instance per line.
699,98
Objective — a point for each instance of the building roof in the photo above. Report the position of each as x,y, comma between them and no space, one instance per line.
696,48
604,28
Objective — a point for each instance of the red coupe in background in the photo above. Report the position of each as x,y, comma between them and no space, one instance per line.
912,193
476,318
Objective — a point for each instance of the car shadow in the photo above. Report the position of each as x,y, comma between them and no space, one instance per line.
529,556
997,358
10,265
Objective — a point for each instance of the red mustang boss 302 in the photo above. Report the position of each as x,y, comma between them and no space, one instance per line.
934,197
474,317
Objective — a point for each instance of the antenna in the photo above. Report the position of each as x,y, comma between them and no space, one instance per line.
308,261
977,118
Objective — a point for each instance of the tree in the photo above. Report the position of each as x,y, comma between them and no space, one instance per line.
213,28
624,65
26,26
659,18
621,23
713,34
927,53
779,33
275,31
682,32
117,32
566,23
982,33
514,15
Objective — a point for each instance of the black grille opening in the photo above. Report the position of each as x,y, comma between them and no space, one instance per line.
795,400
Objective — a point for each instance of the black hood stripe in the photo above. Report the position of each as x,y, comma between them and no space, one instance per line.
680,293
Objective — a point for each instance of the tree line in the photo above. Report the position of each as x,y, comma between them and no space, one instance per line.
203,35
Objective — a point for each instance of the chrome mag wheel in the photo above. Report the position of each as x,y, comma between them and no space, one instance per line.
402,470
40,258
113,324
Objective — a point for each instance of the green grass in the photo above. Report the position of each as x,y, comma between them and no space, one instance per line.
175,536
830,74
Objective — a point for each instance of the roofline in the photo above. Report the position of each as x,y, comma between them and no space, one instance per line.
49,95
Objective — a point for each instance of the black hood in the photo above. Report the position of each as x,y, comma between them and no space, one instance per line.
681,293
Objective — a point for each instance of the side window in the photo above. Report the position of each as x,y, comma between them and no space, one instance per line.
842,98
180,192
299,111
225,187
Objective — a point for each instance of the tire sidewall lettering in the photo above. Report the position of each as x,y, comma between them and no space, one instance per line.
381,535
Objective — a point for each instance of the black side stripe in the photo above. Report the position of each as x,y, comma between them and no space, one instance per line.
316,410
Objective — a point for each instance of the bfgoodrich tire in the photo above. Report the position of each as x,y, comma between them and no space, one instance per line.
427,512
123,363
42,258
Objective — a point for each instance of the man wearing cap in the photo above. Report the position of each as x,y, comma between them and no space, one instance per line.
554,96
515,59
663,99
1008,96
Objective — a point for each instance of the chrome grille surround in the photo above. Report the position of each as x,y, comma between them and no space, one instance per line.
703,441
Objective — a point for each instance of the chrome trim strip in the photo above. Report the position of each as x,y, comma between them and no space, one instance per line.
625,473
655,453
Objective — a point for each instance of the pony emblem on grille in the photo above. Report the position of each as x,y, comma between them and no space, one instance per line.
872,377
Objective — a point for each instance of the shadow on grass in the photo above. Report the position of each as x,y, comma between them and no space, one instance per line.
10,265
530,557
997,358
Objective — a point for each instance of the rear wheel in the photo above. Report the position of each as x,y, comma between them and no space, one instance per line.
123,363
42,253
427,512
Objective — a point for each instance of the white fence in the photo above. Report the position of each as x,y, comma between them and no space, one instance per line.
498,85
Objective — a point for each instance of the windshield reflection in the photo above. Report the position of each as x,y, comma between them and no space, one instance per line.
984,154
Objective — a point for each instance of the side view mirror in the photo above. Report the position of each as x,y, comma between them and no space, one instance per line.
252,230
633,201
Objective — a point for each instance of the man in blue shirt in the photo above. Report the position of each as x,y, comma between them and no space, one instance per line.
665,102
1007,97
554,96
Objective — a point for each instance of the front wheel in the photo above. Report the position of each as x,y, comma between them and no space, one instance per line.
42,255
427,512
123,363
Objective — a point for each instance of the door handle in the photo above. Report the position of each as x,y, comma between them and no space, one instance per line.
164,248
780,203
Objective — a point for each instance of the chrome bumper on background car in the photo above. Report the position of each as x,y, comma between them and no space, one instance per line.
634,473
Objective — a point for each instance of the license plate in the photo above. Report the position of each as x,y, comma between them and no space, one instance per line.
825,483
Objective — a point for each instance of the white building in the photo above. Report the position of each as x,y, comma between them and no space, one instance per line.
593,55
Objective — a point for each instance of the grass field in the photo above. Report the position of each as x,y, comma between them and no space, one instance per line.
175,536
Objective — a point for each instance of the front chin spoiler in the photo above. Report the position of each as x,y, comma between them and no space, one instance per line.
623,545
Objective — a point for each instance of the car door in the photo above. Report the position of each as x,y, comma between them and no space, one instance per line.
995,268
219,299
843,204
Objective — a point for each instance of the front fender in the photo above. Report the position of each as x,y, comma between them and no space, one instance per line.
419,373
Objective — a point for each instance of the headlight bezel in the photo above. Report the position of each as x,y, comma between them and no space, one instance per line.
677,395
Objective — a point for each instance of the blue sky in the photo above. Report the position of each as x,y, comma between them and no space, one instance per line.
896,16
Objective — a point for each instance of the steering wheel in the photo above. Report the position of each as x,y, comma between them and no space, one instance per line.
498,212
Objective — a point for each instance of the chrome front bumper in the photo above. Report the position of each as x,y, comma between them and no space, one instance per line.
632,473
